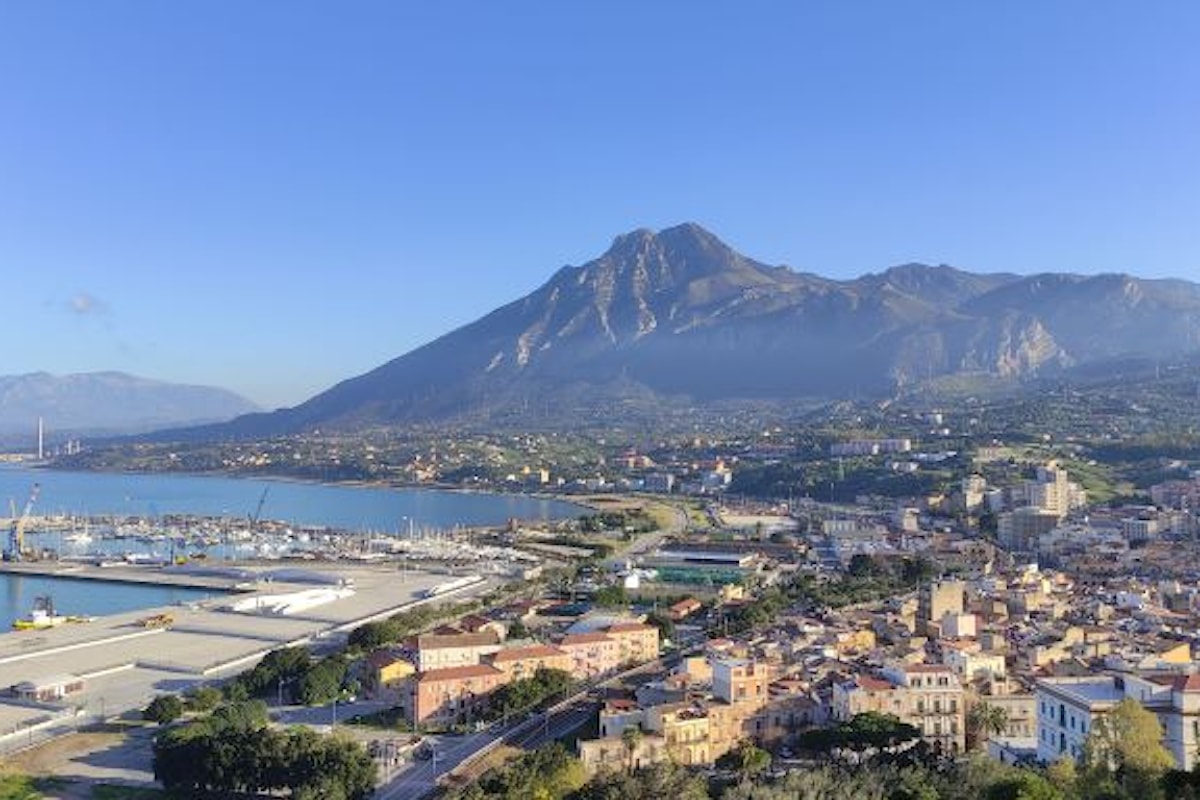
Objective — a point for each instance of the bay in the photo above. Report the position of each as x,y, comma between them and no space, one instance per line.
85,597
356,508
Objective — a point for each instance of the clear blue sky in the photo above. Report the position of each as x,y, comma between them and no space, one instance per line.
272,196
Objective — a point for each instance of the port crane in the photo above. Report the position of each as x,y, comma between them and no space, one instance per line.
257,515
16,535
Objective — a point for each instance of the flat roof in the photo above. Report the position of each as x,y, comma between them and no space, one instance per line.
1086,691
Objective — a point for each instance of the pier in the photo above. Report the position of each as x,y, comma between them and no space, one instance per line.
203,642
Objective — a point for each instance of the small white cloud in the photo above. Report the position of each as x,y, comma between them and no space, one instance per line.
85,303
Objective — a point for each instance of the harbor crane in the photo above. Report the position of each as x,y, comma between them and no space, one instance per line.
257,515
16,536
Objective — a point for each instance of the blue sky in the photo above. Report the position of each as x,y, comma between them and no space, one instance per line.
273,196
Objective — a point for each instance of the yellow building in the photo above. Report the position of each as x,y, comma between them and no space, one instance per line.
927,696
636,642
522,662
385,670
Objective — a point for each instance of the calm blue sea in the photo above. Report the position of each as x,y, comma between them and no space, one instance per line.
85,597
353,508
382,511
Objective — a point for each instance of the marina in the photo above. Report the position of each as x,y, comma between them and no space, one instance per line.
120,661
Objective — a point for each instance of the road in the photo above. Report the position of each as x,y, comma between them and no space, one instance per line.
462,754
419,778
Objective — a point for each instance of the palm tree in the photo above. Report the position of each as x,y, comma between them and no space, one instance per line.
632,737
985,719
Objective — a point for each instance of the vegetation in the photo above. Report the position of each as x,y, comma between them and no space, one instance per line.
633,520
868,731
19,787
164,709
611,597
548,773
323,681
664,623
745,759
203,699
526,694
234,752
869,579
372,635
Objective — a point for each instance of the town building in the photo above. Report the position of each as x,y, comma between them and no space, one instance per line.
636,642
927,696
451,695
442,651
591,654
522,662
1069,708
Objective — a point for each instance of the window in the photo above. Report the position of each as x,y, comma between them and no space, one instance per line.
953,706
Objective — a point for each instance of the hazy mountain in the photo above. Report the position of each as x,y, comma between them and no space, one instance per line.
679,316
109,402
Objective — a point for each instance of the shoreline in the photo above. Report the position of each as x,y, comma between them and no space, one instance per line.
446,488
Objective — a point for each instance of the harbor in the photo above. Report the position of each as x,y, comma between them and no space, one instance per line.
66,674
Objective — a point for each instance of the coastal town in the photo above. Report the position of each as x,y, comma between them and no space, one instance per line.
1006,617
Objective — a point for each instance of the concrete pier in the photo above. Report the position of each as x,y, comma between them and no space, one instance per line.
204,643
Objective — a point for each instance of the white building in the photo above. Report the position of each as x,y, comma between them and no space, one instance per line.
1068,708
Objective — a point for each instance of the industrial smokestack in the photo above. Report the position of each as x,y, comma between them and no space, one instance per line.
41,439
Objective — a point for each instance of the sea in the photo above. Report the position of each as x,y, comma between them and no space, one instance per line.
366,509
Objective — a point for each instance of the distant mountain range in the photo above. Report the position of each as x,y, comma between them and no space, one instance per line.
679,317
109,403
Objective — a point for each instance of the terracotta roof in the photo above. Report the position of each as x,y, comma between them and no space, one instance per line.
629,627
873,684
1180,683
473,622
921,668
434,641
520,653
457,673
583,638
382,658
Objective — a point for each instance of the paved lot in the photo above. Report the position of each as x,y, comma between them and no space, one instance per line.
205,643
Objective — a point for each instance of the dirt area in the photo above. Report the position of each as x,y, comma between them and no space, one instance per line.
82,760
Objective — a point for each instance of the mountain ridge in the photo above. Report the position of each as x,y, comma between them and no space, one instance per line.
110,402
679,315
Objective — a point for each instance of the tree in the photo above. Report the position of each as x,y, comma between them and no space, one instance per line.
664,623
985,720
746,759
1125,746
631,737
611,597
1025,785
203,698
163,709
862,565
652,783
223,759
518,630
322,682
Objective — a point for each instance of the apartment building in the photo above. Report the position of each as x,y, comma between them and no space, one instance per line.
1068,709
927,696
454,694
591,654
436,651
636,642
522,662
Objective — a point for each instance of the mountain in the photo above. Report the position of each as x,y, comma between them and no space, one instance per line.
109,402
677,316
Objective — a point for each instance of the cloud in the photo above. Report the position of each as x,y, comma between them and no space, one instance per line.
86,304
